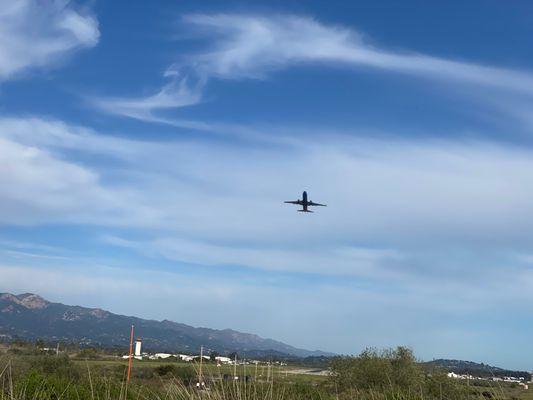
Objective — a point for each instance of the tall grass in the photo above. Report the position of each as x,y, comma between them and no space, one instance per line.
50,378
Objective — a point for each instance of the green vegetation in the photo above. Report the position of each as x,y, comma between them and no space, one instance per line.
393,374
26,374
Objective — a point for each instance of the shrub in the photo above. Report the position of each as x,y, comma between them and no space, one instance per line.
165,369
439,386
373,369
51,365
186,375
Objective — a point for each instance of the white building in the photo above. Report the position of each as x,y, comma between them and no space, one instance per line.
162,356
223,360
185,357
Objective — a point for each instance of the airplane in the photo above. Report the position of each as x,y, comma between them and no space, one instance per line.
305,203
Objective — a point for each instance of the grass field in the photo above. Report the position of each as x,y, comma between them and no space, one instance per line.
38,377
262,372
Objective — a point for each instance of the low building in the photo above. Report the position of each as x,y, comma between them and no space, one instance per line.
162,356
185,357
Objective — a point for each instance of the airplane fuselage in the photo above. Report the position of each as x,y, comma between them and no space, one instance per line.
305,203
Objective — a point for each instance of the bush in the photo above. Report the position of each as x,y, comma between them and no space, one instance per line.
51,365
186,375
377,370
88,354
393,374
143,372
166,369
439,386
302,391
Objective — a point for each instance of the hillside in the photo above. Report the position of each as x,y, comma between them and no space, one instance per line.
474,369
30,317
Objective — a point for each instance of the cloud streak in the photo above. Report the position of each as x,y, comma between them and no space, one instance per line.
249,46
36,34
176,94
253,46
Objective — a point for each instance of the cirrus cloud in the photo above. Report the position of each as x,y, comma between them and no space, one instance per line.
244,46
39,33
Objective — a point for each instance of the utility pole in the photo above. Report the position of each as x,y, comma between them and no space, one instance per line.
200,380
130,359
235,368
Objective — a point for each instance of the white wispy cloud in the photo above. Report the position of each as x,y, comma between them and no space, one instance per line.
211,202
174,95
38,33
39,183
252,46
249,46
349,260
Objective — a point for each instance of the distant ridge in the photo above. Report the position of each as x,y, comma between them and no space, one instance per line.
475,369
30,317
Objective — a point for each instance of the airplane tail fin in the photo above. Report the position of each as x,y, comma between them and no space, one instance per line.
305,211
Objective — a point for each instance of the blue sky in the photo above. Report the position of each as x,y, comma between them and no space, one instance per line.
146,149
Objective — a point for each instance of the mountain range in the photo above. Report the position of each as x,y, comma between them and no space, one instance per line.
30,317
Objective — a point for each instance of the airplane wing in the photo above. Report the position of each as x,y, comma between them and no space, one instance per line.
299,202
311,203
